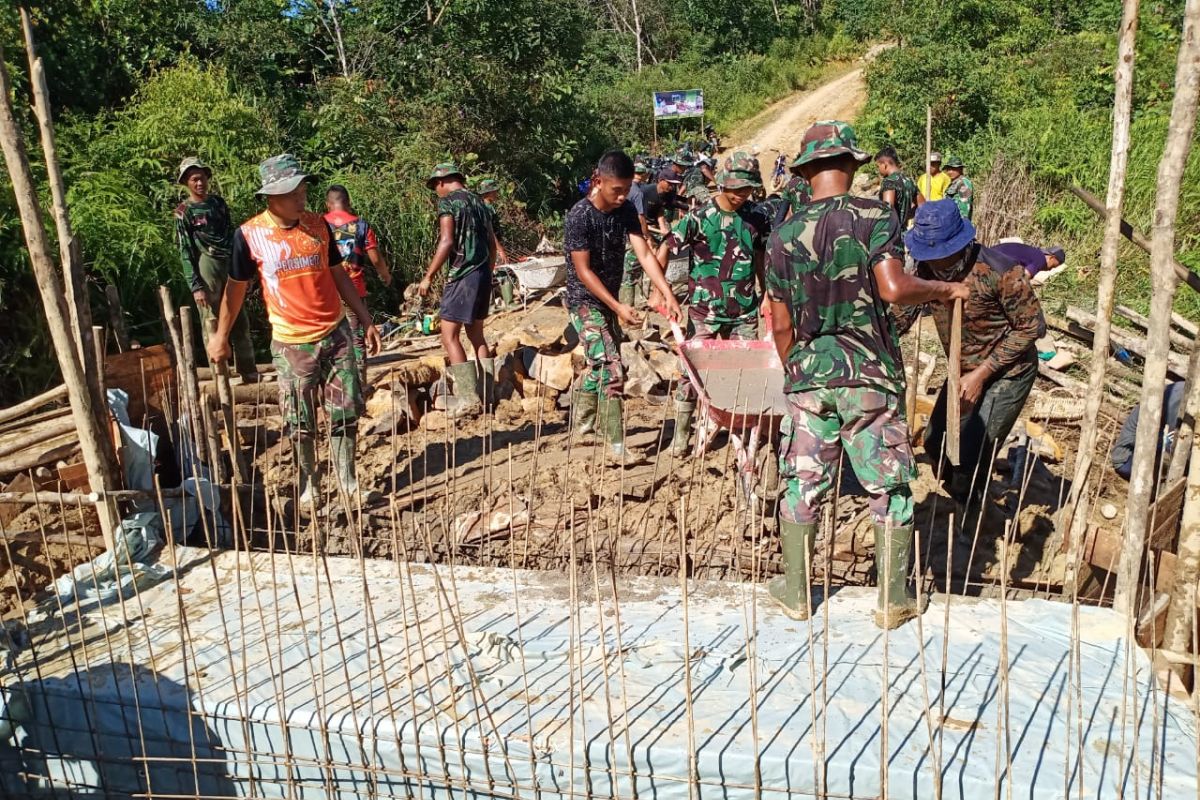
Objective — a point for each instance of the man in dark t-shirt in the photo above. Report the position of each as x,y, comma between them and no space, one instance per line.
595,233
649,199
1033,259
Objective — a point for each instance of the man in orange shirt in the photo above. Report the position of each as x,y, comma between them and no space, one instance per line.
294,254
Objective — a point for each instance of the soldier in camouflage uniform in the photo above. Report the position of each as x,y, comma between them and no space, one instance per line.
205,237
293,253
896,189
1002,319
467,243
595,233
832,268
961,190
726,235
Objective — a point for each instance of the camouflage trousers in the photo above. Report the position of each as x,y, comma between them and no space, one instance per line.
600,337
324,368
745,329
215,273
866,423
358,333
632,276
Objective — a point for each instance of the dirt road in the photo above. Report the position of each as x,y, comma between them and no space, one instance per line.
780,127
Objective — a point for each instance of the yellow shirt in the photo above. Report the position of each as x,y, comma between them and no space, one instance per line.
941,182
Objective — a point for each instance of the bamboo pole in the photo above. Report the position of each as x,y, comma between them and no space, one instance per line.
87,406
1164,280
79,308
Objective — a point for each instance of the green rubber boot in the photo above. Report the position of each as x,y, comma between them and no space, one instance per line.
341,452
463,401
306,463
610,417
486,376
585,404
791,589
681,440
897,603
625,296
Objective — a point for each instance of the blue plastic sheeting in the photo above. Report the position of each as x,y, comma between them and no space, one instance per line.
439,692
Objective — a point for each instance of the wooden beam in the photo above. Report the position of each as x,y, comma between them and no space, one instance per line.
1131,233
953,386
26,407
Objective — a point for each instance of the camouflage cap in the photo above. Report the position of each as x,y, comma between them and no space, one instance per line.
190,163
280,174
446,169
739,171
953,162
641,168
828,139
487,186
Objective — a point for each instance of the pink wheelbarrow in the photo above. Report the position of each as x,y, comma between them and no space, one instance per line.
739,387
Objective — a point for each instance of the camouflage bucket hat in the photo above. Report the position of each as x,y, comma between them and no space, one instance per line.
826,140
487,186
953,162
640,168
280,174
189,164
446,169
739,171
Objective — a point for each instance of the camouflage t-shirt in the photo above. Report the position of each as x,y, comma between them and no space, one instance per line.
820,263
202,228
722,286
472,233
962,192
906,196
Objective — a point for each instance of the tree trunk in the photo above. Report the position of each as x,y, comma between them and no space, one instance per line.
68,248
637,31
1074,515
87,407
1162,274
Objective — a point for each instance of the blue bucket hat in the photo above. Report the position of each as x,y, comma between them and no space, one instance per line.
938,231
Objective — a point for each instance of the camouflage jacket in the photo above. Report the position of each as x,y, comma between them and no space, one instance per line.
905,202
1001,319
472,233
722,283
962,192
820,264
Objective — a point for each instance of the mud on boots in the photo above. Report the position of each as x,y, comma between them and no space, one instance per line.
467,246
792,589
584,405
595,233
685,413
897,601
611,419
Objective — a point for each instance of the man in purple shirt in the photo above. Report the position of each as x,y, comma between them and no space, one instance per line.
1034,259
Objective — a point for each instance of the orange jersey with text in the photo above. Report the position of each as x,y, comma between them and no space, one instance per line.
293,265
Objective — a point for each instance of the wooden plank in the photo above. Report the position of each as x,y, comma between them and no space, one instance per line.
125,371
1165,513
953,385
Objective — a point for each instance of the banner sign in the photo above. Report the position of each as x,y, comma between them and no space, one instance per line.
674,105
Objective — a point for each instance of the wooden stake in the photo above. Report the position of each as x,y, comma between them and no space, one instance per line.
87,406
929,150
79,307
241,472
1162,274
953,386
206,427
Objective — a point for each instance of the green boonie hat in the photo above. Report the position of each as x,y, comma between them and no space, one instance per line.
640,168
683,158
828,139
487,186
446,169
188,164
954,162
739,171
280,174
